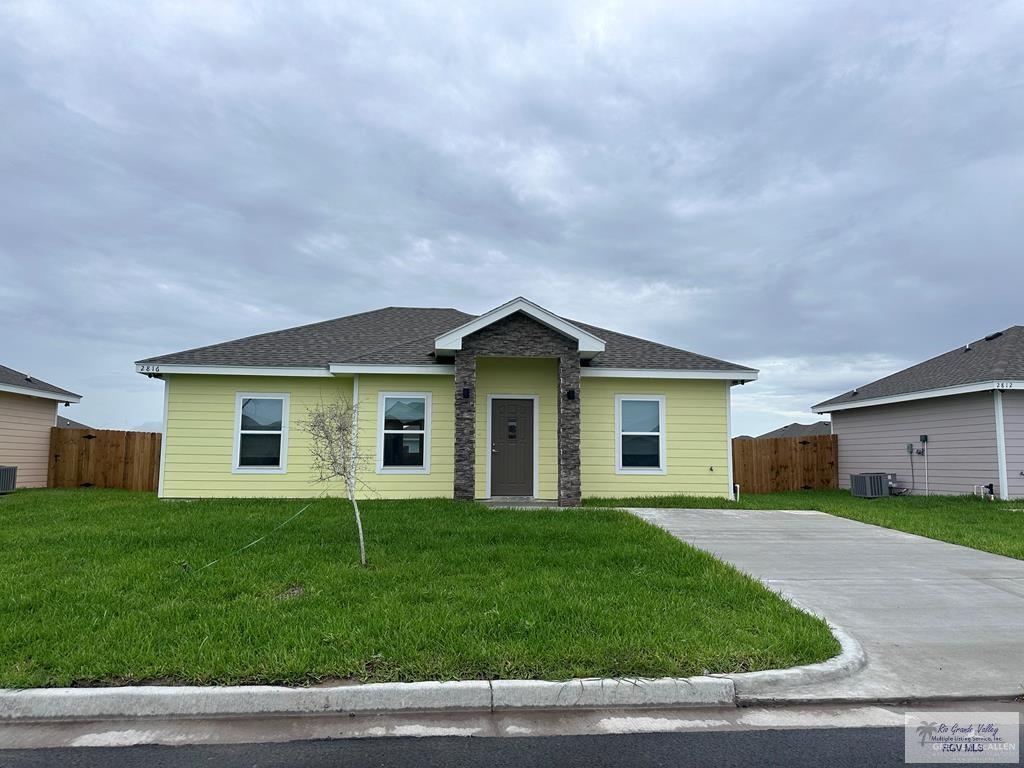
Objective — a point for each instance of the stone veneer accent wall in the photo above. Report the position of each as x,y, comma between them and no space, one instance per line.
519,335
569,430
465,425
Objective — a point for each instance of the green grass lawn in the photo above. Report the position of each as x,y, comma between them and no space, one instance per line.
104,587
990,526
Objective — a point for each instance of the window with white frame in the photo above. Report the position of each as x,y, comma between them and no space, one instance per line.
261,432
640,433
403,432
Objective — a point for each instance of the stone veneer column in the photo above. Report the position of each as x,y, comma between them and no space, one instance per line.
568,430
465,426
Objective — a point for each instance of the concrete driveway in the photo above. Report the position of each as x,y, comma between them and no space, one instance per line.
936,620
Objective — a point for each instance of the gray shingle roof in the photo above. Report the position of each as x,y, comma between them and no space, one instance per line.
66,423
15,378
622,351
353,338
801,430
998,356
405,336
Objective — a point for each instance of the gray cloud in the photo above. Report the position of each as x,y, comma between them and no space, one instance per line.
830,190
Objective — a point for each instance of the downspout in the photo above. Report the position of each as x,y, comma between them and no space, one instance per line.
924,449
728,436
1001,446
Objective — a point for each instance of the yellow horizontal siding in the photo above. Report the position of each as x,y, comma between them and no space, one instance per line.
200,434
441,480
520,376
201,431
696,438
201,413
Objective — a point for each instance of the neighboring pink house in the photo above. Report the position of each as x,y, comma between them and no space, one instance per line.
28,410
953,424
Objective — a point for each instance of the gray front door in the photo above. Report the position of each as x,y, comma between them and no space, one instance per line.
511,447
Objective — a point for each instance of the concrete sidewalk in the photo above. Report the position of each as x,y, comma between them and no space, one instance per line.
936,620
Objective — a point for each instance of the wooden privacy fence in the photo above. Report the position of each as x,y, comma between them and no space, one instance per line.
770,464
104,458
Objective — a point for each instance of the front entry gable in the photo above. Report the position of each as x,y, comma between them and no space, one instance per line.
588,345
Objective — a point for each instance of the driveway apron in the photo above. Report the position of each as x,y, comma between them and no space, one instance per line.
936,620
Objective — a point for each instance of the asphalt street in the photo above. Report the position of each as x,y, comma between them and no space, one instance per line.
793,748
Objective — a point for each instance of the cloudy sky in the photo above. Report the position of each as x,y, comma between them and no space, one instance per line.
827,191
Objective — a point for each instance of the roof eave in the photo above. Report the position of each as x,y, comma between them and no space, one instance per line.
736,376
157,370
62,397
924,394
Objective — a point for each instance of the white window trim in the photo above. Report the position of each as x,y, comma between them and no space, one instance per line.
283,467
536,439
427,407
662,467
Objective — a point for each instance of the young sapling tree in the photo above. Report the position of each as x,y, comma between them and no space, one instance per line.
334,451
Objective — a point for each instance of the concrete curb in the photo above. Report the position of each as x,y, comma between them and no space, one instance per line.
178,701
752,686
457,696
596,693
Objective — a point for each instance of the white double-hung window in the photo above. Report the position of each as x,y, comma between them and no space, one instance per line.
261,432
403,433
640,434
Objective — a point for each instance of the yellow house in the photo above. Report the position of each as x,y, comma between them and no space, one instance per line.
517,403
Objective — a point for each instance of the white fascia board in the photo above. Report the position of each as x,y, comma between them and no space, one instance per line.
14,390
666,373
156,369
925,394
151,369
444,370
589,344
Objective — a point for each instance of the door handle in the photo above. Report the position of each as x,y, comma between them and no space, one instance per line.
493,449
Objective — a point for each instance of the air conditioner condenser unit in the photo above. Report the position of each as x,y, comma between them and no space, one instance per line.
869,485
8,479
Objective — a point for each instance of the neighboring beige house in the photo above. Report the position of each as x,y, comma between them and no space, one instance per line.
28,410
947,425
